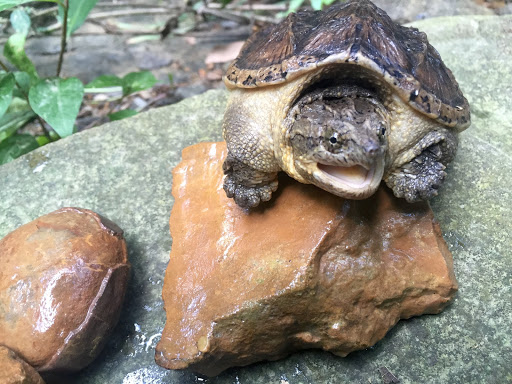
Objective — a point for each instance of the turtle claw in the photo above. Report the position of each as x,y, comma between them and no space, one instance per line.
420,179
415,189
248,186
248,196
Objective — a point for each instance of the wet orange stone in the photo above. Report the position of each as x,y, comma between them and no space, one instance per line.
14,370
63,278
307,270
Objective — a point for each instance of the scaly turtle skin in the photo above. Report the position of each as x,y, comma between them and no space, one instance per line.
341,99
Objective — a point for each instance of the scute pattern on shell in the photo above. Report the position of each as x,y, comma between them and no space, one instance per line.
359,33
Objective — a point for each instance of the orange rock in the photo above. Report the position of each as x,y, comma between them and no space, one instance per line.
63,278
308,270
14,370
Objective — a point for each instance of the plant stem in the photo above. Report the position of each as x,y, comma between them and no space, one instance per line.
63,38
4,67
45,131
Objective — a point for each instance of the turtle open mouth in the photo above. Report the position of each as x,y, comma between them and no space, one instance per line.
351,182
355,176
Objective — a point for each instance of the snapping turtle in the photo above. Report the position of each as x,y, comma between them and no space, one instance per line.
341,99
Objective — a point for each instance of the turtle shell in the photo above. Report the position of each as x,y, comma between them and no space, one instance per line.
356,32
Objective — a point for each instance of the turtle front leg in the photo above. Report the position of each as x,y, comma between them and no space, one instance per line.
421,178
247,185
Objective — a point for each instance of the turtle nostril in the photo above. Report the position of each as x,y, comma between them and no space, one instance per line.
372,148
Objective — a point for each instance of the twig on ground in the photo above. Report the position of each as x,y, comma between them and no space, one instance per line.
241,33
153,101
253,17
222,14
130,4
236,16
94,18
113,29
44,12
250,7
129,12
93,124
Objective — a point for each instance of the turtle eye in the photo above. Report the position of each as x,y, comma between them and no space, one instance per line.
334,138
382,130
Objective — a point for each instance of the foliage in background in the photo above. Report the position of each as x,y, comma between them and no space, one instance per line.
317,5
55,101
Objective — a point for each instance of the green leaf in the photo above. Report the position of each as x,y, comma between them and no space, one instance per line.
138,81
77,13
20,21
6,88
295,5
14,51
19,104
54,136
316,4
7,4
198,5
15,146
12,121
57,101
186,22
122,114
42,140
23,81
105,81
105,84
225,2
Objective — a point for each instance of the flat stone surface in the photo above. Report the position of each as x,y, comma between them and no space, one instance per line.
123,171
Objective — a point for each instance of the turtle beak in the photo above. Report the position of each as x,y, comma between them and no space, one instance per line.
355,176
352,182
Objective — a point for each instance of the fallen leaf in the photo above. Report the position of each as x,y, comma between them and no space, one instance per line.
191,40
224,53
215,75
387,376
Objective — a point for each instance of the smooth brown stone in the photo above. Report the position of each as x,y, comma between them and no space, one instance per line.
63,278
14,370
308,270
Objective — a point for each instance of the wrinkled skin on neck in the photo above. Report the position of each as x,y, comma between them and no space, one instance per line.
338,137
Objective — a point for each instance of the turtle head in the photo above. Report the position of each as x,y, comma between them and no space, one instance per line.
338,139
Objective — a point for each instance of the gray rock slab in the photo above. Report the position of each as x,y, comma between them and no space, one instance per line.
404,11
123,171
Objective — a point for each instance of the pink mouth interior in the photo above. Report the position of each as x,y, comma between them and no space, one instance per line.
356,176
